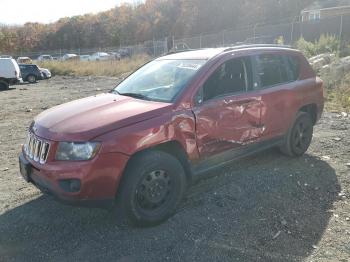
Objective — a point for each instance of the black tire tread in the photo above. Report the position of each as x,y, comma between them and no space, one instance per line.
286,148
124,210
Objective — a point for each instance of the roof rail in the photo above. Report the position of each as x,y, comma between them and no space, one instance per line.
235,47
179,51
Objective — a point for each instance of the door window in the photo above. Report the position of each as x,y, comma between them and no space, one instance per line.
293,67
232,77
272,70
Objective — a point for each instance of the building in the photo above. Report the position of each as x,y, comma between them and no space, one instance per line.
326,8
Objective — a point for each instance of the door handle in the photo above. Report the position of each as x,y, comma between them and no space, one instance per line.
246,102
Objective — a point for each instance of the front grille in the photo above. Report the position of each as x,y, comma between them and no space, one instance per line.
36,149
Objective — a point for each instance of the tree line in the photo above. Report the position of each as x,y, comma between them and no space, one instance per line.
155,19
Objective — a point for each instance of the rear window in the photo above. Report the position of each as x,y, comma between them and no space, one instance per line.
276,69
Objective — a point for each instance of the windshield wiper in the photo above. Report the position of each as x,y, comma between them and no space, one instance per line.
134,95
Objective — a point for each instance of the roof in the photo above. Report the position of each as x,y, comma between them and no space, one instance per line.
325,4
200,54
206,54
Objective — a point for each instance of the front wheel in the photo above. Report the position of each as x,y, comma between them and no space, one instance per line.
31,79
152,187
299,137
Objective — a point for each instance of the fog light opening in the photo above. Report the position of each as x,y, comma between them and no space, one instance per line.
70,185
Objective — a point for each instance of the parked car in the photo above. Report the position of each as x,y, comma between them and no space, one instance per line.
9,73
124,53
45,58
116,55
46,73
70,57
85,58
180,47
138,147
24,60
100,56
30,73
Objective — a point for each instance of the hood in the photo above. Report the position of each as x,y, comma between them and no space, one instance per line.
87,118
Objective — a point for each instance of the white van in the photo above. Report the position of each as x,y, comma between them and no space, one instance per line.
9,73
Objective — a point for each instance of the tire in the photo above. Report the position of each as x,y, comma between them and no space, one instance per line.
31,79
299,136
4,85
152,187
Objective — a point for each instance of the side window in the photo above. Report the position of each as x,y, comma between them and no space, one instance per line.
271,70
233,76
293,67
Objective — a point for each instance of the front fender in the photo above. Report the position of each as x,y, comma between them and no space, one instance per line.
175,126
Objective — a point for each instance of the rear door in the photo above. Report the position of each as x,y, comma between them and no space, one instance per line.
228,115
277,74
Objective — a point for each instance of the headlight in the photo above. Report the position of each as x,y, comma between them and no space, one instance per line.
76,151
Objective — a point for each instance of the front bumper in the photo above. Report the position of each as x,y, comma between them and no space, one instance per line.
99,178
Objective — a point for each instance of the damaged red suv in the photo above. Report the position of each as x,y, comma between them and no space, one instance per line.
138,147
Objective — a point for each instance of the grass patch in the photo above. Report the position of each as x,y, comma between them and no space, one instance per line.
100,68
338,98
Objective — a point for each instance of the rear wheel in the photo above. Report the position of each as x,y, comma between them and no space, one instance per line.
153,185
31,79
299,137
4,85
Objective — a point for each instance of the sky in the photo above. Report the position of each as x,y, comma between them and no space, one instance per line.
46,11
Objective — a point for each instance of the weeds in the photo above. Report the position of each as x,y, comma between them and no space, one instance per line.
338,98
100,68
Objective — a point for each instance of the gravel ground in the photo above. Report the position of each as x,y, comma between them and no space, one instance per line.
264,208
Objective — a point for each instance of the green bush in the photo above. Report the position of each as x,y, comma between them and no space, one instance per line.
326,44
308,48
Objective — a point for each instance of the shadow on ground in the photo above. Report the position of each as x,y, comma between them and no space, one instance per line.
264,208
6,90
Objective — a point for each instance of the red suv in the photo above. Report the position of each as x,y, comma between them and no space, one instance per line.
138,147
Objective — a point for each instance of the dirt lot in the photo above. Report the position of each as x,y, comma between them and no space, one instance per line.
263,208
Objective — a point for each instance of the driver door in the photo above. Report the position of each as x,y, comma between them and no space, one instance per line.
228,117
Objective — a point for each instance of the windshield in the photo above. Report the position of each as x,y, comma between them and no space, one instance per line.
160,80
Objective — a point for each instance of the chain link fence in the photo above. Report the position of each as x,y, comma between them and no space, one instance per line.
282,33
286,33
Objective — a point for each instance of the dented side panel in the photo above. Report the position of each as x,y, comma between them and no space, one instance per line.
228,123
174,127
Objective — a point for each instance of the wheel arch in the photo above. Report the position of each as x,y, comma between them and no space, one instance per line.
311,109
173,148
